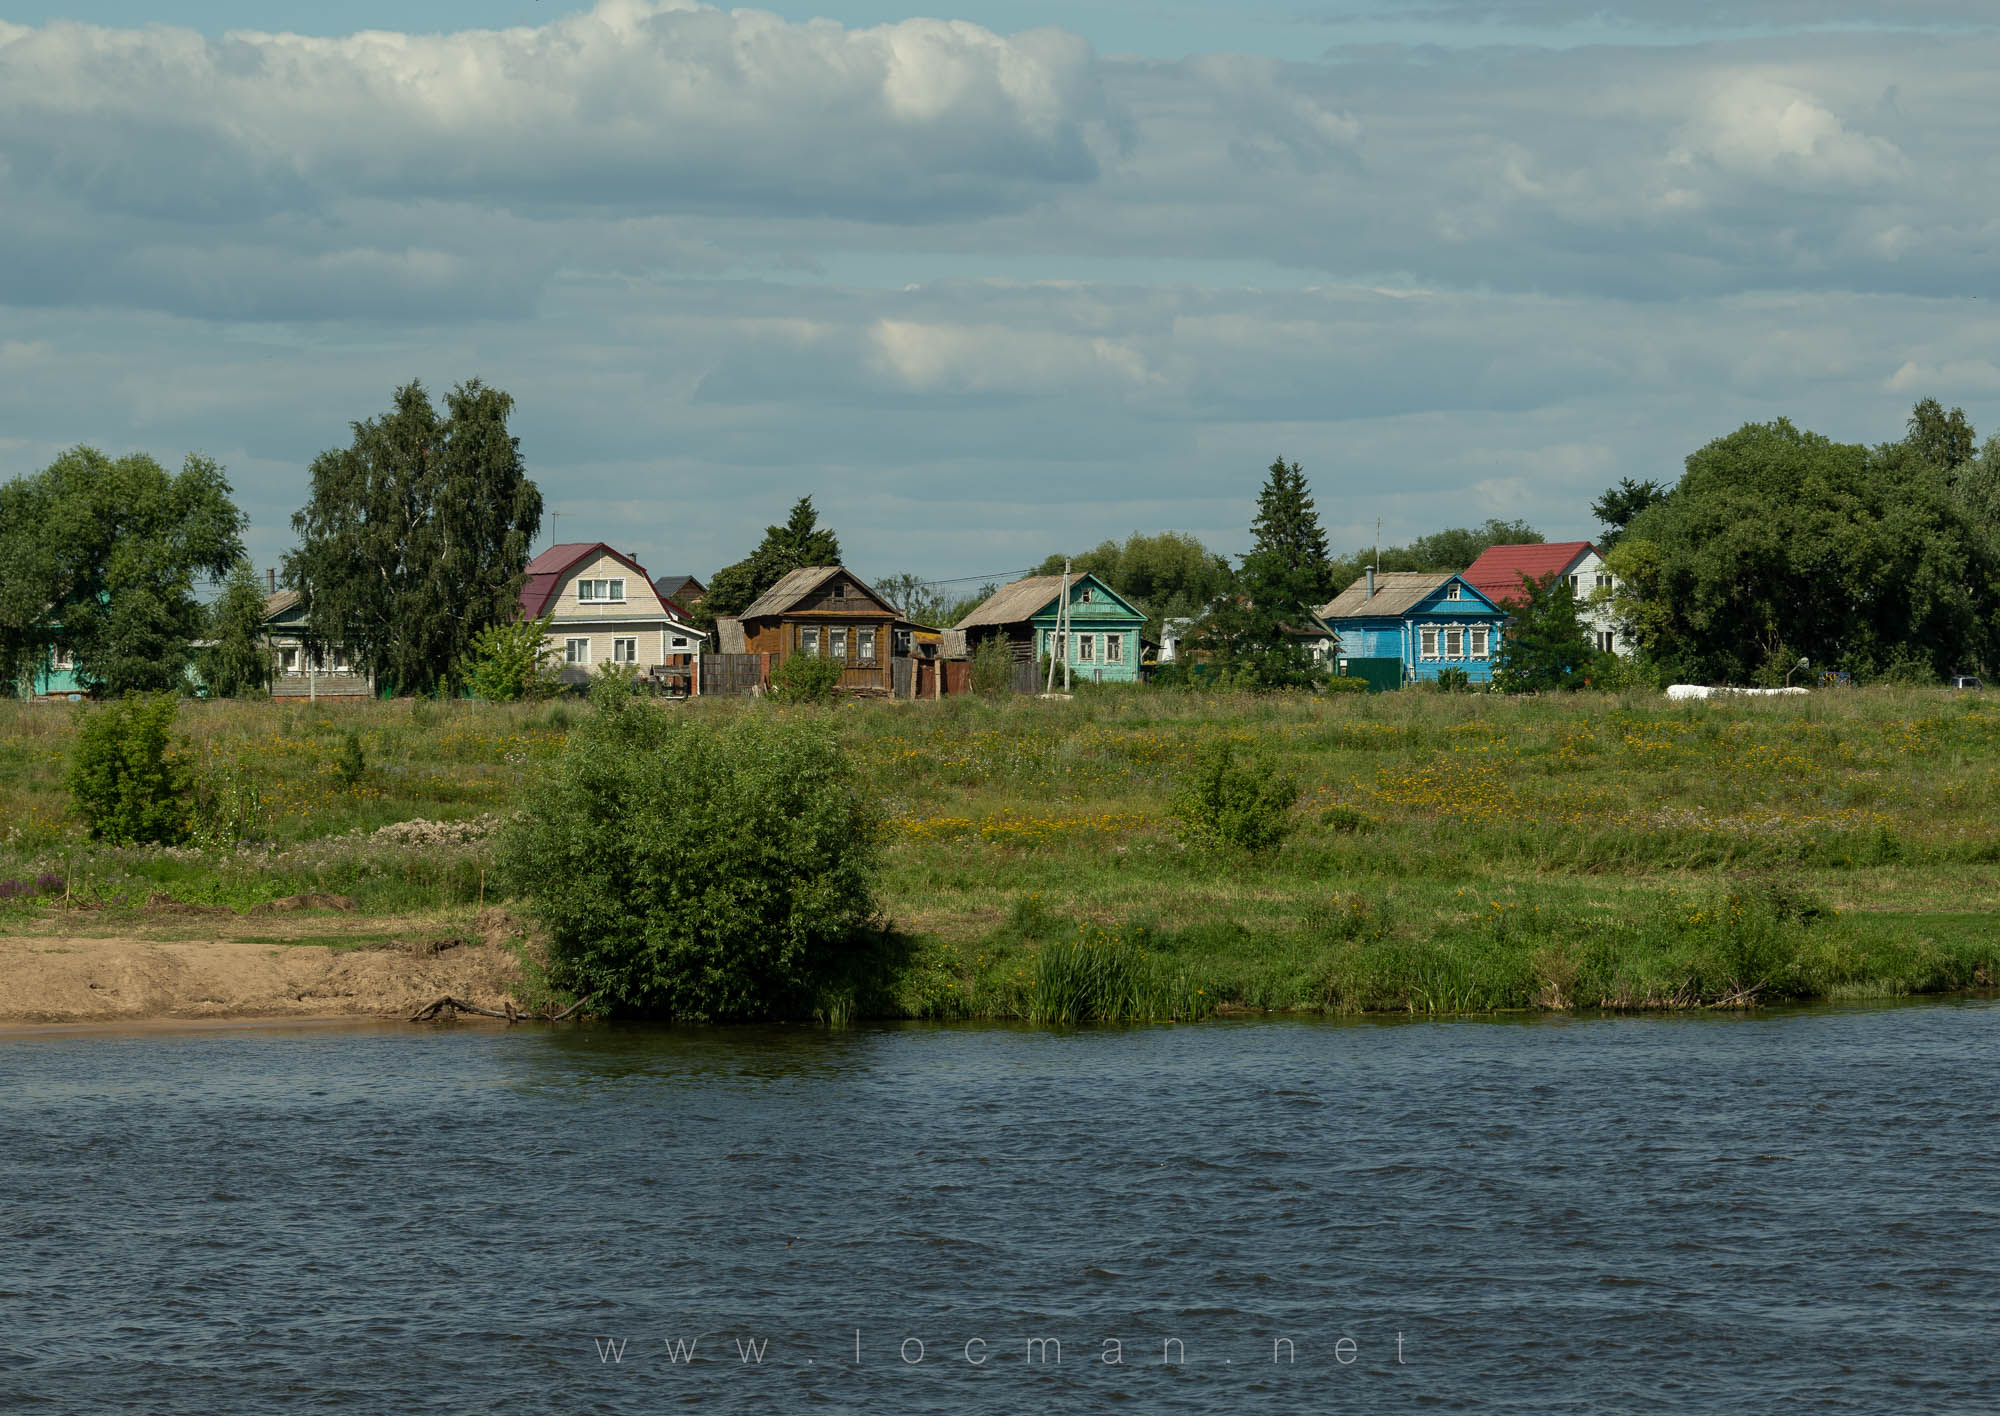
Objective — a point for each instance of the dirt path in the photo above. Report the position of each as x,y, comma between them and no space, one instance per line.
74,968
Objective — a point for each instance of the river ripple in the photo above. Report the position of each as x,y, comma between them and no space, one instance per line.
1713,1213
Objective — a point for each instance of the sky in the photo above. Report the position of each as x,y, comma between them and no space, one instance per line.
1003,279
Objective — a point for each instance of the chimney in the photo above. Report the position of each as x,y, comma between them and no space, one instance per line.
271,579
1371,583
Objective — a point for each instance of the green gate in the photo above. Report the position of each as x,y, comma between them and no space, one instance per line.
1381,675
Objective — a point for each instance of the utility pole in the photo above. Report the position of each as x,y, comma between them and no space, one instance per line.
1059,640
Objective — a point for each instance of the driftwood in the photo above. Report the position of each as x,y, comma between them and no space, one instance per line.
448,1006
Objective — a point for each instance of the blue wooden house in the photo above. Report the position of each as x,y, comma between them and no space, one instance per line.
1419,622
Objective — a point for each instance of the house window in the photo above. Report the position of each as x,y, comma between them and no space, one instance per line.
836,643
1574,583
608,592
1451,591
1454,644
1603,581
624,651
809,641
864,644
1084,596
899,641
1479,641
680,641
1114,648
64,660
576,651
1428,642
1604,638
288,661
840,590
1055,645
1084,644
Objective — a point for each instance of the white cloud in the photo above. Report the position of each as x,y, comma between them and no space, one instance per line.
1757,127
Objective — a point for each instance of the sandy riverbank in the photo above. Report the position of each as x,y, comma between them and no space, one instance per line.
77,969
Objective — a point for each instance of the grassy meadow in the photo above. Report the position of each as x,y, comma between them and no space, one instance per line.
1449,853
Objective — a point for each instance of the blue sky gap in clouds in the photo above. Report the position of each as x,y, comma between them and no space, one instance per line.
1004,282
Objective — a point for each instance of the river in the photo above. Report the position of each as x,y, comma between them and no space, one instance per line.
1792,1210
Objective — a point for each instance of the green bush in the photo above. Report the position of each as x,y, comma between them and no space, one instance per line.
511,660
1222,801
805,678
1453,680
130,780
698,871
350,764
1342,683
993,668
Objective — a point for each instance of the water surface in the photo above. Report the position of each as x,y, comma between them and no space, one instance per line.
1709,1213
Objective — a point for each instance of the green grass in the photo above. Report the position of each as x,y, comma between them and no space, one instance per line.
1449,853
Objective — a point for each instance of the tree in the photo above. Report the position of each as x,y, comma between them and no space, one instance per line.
1171,575
416,537
100,557
511,660
801,541
1453,549
1544,646
1942,439
1619,504
1287,557
1780,544
236,660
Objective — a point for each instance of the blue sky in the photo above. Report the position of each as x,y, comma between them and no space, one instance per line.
1006,279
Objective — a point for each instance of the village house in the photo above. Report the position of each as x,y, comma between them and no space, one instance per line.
1499,571
828,612
1103,643
297,670
681,592
1407,626
604,609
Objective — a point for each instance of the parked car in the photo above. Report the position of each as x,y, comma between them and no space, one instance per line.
1968,683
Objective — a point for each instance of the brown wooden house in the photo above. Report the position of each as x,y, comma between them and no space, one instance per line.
827,611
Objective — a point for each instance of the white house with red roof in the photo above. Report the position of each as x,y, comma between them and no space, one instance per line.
1500,570
605,609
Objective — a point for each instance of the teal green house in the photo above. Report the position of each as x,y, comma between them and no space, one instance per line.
1102,645
56,677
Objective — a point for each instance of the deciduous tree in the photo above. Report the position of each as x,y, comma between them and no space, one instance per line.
236,660
416,537
100,556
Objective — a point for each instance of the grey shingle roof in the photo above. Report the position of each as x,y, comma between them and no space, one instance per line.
1395,592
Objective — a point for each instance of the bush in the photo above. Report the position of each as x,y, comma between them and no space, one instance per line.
511,660
1342,683
1453,680
350,764
129,779
1226,802
696,871
993,668
805,678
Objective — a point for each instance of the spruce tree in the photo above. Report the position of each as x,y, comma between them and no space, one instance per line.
801,541
1288,556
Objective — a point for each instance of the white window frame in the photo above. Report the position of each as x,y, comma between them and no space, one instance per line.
1605,639
624,651
1114,648
1451,591
602,591
864,645
680,641
1454,643
809,640
288,659
1427,641
1056,645
1603,580
1086,595
62,660
1482,640
1085,648
576,651
836,643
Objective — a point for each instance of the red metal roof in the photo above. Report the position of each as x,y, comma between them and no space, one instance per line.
546,572
1498,571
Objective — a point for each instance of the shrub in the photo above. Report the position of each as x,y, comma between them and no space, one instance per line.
1226,802
350,764
1453,680
129,779
993,668
694,870
805,678
1342,683
511,660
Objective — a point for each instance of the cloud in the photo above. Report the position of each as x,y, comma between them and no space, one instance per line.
1758,128
1952,376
